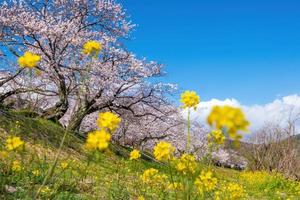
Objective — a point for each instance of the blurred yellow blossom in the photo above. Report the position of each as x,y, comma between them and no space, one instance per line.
217,195
36,172
256,177
64,165
97,140
216,136
140,198
152,177
14,143
187,164
45,190
16,166
205,181
92,47
163,151
190,99
175,186
3,154
235,191
229,118
134,155
108,121
29,60
149,174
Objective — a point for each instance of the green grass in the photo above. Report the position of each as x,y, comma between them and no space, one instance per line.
108,175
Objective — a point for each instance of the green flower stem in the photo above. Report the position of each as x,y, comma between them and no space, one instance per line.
172,179
51,171
188,143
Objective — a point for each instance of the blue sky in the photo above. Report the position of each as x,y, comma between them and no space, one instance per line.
247,50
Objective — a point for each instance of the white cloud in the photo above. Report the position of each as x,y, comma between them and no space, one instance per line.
278,111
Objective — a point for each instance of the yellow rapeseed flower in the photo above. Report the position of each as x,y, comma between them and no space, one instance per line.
29,60
175,186
46,190
216,136
14,143
230,118
205,181
36,172
152,177
141,198
3,155
163,151
217,195
256,178
97,140
108,121
16,166
92,47
190,99
64,165
134,155
149,174
235,191
187,164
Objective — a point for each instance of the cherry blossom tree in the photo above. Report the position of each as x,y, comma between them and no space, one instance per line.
72,87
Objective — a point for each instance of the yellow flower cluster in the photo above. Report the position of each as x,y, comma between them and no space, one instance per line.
163,151
152,177
29,60
205,181
217,195
14,143
216,136
92,47
297,188
256,178
64,165
175,186
36,172
187,164
3,155
140,198
46,190
134,155
16,166
108,121
229,118
190,99
235,191
98,140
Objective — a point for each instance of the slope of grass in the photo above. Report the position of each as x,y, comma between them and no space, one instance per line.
78,175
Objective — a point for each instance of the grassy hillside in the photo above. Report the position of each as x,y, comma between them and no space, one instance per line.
108,175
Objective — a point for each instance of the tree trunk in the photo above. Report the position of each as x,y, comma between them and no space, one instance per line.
77,118
57,111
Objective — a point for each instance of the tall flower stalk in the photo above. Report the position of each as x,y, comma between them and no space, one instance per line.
188,143
189,99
